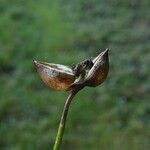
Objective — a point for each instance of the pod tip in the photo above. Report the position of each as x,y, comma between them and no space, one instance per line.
34,61
107,49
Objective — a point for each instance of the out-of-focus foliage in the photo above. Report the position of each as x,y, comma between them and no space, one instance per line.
113,116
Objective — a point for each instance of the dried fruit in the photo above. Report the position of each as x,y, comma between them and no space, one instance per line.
62,77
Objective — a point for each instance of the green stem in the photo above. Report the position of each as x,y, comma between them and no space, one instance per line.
61,128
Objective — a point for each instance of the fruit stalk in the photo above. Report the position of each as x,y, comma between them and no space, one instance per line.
62,124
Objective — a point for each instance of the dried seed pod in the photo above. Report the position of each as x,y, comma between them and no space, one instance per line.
99,71
56,76
63,78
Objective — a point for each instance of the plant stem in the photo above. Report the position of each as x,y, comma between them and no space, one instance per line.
61,128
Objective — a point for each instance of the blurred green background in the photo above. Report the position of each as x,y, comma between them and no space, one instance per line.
113,116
